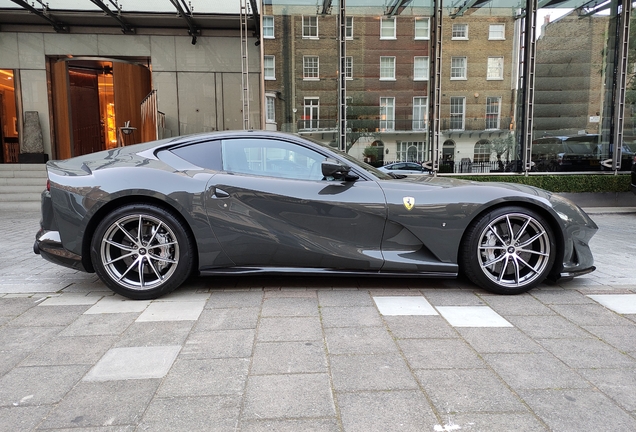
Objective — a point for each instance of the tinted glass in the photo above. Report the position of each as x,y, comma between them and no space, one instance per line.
205,154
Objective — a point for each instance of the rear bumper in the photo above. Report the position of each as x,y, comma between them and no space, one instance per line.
49,246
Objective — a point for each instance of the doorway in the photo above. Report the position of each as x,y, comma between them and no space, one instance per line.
9,143
92,99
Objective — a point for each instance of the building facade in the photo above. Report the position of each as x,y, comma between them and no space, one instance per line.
96,81
469,86
508,74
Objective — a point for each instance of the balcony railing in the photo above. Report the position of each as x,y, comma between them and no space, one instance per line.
364,125
475,124
403,125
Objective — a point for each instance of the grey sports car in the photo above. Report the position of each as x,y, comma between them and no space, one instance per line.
145,217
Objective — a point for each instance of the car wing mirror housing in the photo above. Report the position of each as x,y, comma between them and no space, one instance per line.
333,168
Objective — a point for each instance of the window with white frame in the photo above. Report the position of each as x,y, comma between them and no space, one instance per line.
497,32
420,68
459,31
458,68
269,67
387,68
410,151
420,113
495,68
422,28
457,109
311,113
349,67
387,28
310,27
311,68
270,108
268,27
493,108
349,27
387,114
482,151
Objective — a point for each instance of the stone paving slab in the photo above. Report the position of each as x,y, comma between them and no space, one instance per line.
316,354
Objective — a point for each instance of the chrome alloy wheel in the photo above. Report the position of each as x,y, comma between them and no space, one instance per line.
514,250
139,252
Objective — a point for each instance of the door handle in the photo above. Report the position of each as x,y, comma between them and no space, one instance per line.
219,193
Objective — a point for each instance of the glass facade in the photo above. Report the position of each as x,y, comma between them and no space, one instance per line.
469,86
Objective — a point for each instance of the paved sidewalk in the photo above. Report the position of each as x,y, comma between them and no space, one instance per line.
317,354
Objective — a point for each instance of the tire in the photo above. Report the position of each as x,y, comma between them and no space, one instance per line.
503,263
142,251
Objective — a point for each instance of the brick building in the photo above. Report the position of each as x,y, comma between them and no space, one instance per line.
387,70
479,86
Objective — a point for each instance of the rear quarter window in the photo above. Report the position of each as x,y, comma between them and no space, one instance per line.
204,154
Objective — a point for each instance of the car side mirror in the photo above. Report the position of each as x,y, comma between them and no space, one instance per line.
333,168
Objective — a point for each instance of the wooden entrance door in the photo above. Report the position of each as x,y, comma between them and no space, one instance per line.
131,83
61,110
88,134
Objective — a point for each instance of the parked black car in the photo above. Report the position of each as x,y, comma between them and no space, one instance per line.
145,217
566,153
634,175
605,152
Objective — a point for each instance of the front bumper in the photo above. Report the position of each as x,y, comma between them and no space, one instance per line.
49,245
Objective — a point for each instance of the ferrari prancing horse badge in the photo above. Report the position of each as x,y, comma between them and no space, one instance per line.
409,202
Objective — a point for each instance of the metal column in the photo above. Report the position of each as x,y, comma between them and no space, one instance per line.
245,66
435,86
342,77
526,82
622,47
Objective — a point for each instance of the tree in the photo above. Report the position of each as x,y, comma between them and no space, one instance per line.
362,122
501,146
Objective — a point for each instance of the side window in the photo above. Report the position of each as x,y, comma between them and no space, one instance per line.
271,158
204,154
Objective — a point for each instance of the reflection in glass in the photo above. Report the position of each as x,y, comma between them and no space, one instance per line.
479,82
575,77
387,70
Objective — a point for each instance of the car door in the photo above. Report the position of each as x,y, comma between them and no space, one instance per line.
271,207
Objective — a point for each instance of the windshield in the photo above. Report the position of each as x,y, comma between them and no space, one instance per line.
368,168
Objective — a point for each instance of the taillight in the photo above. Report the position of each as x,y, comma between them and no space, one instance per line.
48,185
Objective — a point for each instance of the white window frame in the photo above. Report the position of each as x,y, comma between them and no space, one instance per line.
308,25
269,73
309,70
459,71
383,27
349,67
494,69
311,108
457,109
457,33
270,108
387,114
384,68
403,147
497,34
420,113
493,109
421,68
268,26
349,27
428,28
482,151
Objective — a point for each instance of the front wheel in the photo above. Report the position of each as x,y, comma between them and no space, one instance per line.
509,250
142,251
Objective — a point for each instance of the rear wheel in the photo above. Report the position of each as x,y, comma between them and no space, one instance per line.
508,251
142,251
